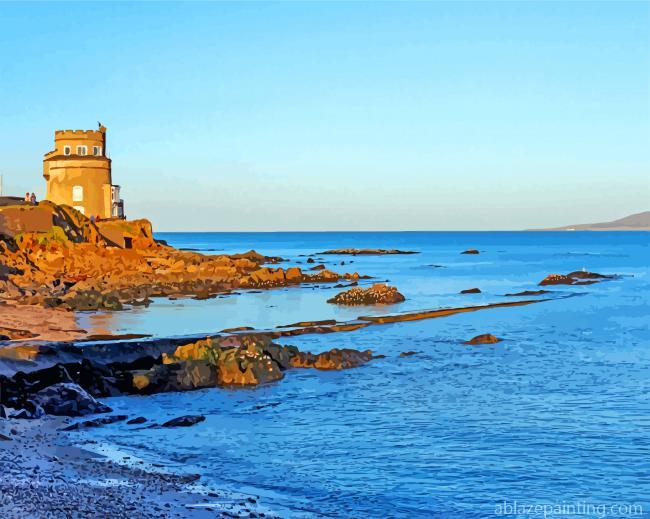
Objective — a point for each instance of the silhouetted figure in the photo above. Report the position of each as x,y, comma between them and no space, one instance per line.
32,199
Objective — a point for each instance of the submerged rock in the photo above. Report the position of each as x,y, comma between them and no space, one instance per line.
184,421
528,293
471,291
96,422
485,338
470,251
376,294
135,421
408,353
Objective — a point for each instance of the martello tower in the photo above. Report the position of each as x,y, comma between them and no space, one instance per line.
78,173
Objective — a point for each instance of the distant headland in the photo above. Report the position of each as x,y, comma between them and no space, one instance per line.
634,222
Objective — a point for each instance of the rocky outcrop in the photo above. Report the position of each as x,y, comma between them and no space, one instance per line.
332,360
471,291
91,372
470,251
376,294
579,277
485,338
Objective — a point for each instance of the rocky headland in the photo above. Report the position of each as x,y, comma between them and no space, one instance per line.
54,257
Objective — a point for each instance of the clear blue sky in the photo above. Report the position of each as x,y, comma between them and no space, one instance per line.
337,116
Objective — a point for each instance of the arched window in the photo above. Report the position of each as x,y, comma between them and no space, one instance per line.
82,150
66,150
77,194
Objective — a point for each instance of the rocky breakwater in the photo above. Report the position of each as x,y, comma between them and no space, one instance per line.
368,252
75,377
53,256
377,294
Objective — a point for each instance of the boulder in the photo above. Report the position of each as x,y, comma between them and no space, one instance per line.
377,294
30,411
67,399
470,251
293,275
485,338
471,291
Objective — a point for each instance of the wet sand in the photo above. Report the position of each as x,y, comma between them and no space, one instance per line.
24,322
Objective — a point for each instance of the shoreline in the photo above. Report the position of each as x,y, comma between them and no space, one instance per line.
44,469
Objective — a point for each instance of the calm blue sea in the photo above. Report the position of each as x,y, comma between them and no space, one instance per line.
557,414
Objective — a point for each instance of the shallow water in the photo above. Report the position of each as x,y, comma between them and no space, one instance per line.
557,413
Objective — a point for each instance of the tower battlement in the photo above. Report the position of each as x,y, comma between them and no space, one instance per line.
96,135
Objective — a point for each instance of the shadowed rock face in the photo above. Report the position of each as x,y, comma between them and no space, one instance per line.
578,277
376,294
236,360
65,399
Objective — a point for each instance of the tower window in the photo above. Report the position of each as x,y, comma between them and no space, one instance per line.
77,194
66,150
82,150
97,150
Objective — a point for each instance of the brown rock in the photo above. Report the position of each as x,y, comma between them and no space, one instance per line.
377,294
471,291
470,251
486,338
332,360
574,278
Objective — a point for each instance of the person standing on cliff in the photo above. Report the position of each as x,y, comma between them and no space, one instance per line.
32,199
27,197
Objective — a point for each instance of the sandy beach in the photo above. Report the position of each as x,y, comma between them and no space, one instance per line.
20,322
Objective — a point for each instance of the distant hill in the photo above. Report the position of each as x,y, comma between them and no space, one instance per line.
634,222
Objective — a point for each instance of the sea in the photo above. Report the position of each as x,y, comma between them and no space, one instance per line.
553,421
